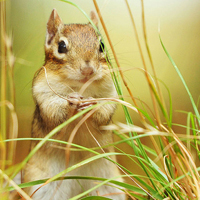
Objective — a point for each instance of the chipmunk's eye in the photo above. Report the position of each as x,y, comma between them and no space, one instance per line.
101,48
62,47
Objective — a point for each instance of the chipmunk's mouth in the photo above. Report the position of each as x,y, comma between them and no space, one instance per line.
84,80
89,79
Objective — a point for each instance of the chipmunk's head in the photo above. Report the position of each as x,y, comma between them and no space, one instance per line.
75,50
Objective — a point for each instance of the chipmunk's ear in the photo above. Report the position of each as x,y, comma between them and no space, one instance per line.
53,25
94,18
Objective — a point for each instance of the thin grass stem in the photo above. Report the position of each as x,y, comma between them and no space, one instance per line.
3,87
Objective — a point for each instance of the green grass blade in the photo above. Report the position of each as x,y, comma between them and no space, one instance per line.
117,183
183,81
84,162
91,189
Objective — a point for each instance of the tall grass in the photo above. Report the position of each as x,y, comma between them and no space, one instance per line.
169,168
9,122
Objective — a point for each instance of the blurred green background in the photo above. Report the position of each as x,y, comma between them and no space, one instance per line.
179,23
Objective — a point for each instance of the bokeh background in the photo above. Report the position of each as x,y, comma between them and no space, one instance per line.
179,23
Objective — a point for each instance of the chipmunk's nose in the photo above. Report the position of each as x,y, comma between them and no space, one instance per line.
87,70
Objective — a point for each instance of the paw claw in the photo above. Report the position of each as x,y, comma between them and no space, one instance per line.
74,98
85,105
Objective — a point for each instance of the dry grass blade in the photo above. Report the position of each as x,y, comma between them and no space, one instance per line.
149,54
184,163
3,83
93,99
73,133
116,59
13,131
19,190
144,64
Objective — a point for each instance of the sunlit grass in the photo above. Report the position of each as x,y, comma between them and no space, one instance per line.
169,167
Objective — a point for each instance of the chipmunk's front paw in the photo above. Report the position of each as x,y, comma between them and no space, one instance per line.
86,104
74,100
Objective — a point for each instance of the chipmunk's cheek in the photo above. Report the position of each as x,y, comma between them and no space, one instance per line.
70,74
100,72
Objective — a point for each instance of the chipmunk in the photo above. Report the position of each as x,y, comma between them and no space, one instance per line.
74,55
